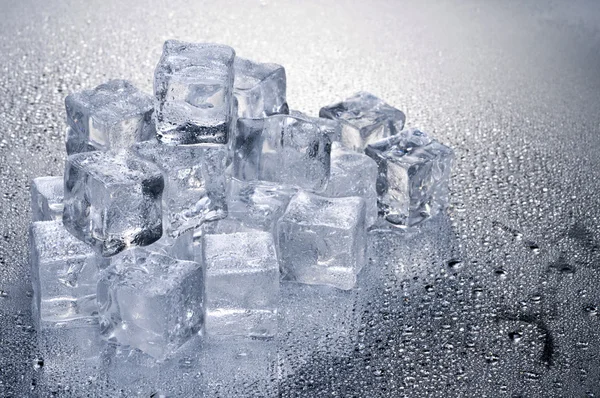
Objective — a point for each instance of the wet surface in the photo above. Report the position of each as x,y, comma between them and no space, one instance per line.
499,298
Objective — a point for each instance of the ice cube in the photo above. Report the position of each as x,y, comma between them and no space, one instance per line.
64,276
193,85
259,88
323,240
258,204
195,182
113,115
112,200
242,283
414,172
365,119
332,128
154,305
47,198
353,174
282,149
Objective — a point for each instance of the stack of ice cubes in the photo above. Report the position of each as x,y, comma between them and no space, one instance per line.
198,231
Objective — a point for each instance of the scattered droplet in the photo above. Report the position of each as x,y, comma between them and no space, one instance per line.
515,336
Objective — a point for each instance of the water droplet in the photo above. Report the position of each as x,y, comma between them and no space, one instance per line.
3,293
515,336
38,363
454,264
500,272
591,310
429,288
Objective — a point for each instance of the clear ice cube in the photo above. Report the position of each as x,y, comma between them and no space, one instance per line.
323,240
414,172
193,86
112,200
154,305
242,283
282,149
64,276
129,370
47,198
353,174
195,182
258,204
331,127
365,119
259,88
113,115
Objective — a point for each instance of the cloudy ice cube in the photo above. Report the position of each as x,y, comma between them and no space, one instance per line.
258,204
414,172
112,200
195,182
193,86
242,283
353,174
259,88
154,305
47,198
323,240
64,276
365,119
282,149
113,115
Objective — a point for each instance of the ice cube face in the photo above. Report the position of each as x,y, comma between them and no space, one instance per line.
195,182
242,283
259,89
47,198
353,174
193,86
153,305
322,240
112,200
113,115
258,204
64,276
414,172
365,119
282,149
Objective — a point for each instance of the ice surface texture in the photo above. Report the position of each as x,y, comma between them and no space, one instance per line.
193,85
113,115
154,305
259,89
112,200
414,171
283,149
195,182
323,240
242,283
365,119
47,198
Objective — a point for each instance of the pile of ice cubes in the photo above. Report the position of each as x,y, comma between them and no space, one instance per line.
193,224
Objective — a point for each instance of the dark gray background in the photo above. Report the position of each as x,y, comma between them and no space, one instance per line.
513,87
